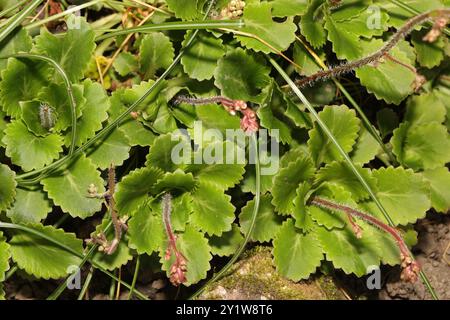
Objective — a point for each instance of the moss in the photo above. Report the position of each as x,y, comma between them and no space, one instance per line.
254,277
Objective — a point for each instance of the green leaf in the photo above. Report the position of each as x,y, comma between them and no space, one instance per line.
213,116
18,41
72,51
213,212
424,146
241,75
347,252
346,44
267,222
145,230
340,173
31,206
284,8
55,95
258,21
351,9
398,15
165,121
343,124
195,248
428,54
181,210
94,112
126,63
113,149
311,26
29,151
439,180
8,189
33,77
296,255
133,190
303,219
42,258
304,59
120,257
366,147
389,80
186,10
227,243
175,180
404,194
156,52
69,188
160,155
222,175
424,109
287,181
200,58
4,257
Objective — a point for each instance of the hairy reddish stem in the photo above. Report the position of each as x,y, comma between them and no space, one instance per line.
179,267
401,33
410,267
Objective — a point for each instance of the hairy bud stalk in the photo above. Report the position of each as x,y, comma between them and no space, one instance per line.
179,267
249,121
441,15
410,267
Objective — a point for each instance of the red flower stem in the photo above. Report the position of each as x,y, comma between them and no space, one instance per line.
401,33
167,213
320,202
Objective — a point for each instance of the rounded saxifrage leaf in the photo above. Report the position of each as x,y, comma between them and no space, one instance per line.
424,109
424,146
29,151
285,8
200,58
227,243
160,155
145,230
17,41
125,64
398,15
352,9
33,77
258,21
175,180
134,188
195,248
389,80
213,116
69,188
339,173
295,254
222,175
156,52
286,182
72,51
213,212
31,206
347,252
439,180
5,254
113,149
343,124
403,193
303,219
55,95
345,43
241,75
428,54
267,221
94,112
186,10
8,187
365,148
42,258
312,27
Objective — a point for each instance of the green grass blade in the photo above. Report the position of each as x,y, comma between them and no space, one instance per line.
18,18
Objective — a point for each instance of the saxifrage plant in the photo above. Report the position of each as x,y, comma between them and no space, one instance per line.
80,107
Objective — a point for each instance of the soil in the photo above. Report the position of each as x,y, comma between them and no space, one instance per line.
433,254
